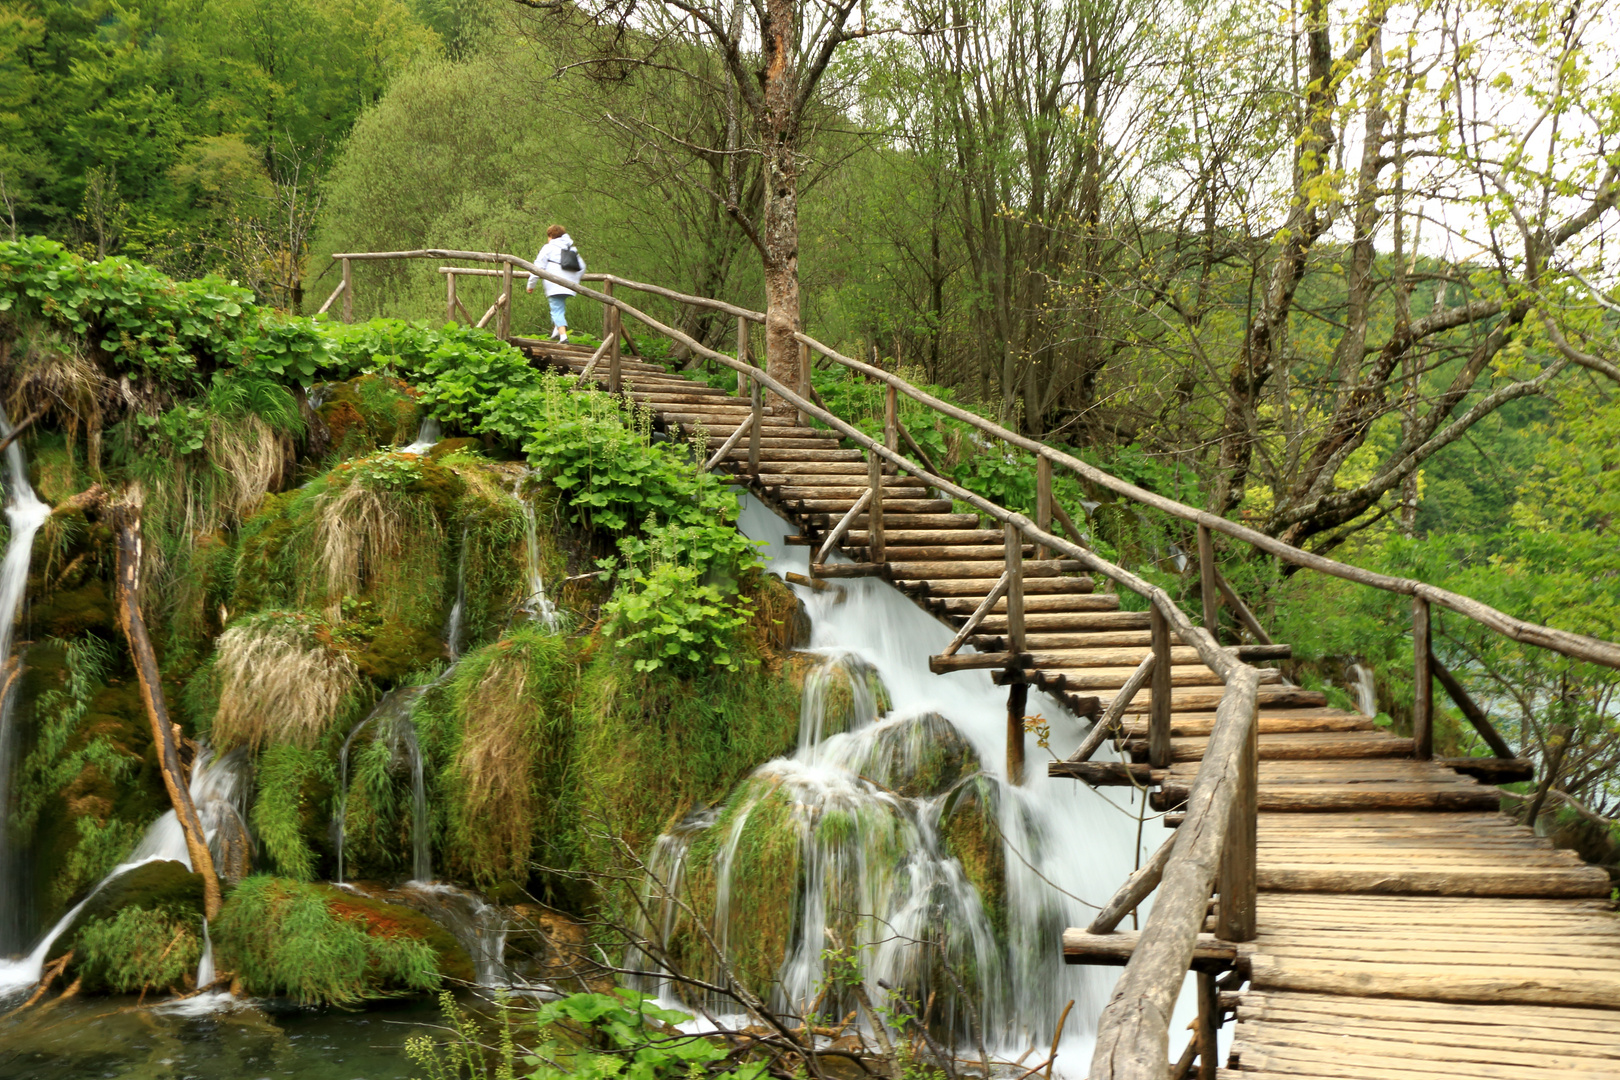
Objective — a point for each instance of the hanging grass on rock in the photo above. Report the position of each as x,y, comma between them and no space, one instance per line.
277,684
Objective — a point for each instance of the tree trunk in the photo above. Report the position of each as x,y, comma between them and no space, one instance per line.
779,232
128,523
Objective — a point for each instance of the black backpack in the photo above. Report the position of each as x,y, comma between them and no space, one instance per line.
569,260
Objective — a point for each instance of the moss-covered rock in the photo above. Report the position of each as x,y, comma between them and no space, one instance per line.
369,412
140,931
318,944
972,835
918,756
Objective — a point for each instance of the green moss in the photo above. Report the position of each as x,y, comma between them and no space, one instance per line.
972,836
759,832
920,756
369,412
321,945
138,949
290,813
142,930
503,731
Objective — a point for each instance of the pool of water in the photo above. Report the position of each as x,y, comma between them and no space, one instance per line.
112,1038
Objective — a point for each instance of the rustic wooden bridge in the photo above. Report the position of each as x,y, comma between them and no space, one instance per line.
1361,908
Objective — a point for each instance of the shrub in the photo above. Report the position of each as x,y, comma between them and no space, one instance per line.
316,945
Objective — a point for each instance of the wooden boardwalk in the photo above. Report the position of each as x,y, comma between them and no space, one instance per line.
1407,930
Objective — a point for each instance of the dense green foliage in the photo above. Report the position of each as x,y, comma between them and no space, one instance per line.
312,943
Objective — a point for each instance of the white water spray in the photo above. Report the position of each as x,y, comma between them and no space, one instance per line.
428,435
218,787
883,880
536,604
25,513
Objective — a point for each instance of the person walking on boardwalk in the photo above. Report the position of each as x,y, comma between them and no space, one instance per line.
559,257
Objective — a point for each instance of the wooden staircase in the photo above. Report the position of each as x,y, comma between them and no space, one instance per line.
1408,931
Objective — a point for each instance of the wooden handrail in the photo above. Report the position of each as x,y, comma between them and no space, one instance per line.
731,443
1135,890
843,526
590,365
1579,646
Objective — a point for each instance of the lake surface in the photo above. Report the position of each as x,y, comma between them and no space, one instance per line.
111,1038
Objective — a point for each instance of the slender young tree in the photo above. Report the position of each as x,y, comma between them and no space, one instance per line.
773,56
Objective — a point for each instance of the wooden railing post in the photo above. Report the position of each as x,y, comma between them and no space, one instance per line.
615,329
1159,706
615,376
874,512
1018,690
1207,582
1236,918
1209,1022
348,293
742,355
450,297
805,386
1422,684
503,321
1043,502
755,427
891,420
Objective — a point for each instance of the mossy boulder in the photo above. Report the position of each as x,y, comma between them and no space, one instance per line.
446,447
368,412
844,693
919,756
971,832
140,931
319,944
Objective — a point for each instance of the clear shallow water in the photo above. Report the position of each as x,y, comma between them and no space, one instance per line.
108,1038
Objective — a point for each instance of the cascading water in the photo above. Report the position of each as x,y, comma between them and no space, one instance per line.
25,513
536,604
428,435
870,800
479,925
1365,687
458,610
218,789
392,718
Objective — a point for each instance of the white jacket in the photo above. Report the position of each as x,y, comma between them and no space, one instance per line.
550,260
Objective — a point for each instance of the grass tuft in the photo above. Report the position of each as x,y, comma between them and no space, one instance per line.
276,685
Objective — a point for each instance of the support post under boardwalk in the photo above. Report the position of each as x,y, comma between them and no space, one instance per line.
874,512
1017,702
1209,1022
1422,684
1159,706
1043,502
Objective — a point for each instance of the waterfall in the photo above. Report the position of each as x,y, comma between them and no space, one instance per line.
458,616
876,874
479,925
395,708
1365,687
403,744
536,604
205,965
427,437
218,788
25,513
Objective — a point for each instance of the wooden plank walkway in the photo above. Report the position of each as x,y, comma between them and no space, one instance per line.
1407,930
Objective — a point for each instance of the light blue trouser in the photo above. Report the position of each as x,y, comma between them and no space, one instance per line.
559,310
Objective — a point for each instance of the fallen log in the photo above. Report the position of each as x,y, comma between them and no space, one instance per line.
125,516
